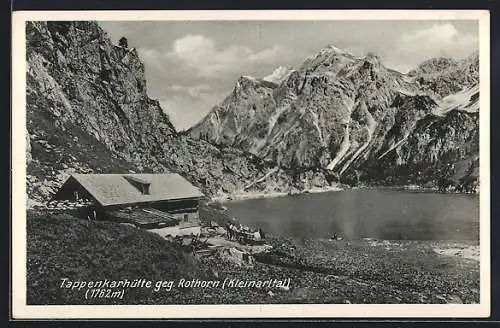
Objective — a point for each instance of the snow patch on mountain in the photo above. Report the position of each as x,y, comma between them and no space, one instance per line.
279,75
466,100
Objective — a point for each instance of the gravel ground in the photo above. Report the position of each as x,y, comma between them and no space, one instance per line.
363,271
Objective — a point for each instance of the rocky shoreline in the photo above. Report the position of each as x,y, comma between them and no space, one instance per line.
360,272
261,195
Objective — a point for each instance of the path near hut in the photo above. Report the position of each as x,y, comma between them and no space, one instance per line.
220,241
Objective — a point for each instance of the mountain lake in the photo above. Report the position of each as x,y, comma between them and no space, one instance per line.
364,213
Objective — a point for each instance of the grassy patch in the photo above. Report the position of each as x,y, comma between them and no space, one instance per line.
61,246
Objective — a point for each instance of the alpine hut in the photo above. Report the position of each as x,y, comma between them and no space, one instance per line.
145,200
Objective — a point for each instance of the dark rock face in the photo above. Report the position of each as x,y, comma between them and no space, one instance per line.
445,76
77,75
88,111
354,120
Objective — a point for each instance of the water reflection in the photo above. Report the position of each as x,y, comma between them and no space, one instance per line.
365,213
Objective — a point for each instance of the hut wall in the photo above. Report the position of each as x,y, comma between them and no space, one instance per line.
177,206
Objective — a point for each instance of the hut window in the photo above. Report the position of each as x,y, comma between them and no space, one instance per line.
140,184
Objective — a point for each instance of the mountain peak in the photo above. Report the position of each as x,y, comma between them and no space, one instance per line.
247,77
433,65
334,49
371,56
330,56
246,80
473,58
458,74
279,74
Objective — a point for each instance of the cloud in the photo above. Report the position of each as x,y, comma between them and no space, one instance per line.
432,35
201,55
266,55
195,91
438,40
192,49
444,37
151,57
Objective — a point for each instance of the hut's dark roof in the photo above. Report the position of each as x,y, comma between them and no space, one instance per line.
115,189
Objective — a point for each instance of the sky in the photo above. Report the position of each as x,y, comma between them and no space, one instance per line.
192,66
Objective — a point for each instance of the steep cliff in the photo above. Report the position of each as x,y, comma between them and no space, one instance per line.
354,120
88,111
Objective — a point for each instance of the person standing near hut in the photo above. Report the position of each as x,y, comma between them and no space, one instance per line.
91,217
261,233
229,231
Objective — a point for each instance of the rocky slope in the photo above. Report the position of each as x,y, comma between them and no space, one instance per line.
88,111
445,76
335,118
354,120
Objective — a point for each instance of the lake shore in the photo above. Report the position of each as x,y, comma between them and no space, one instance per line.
372,271
274,194
364,271
412,188
458,250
